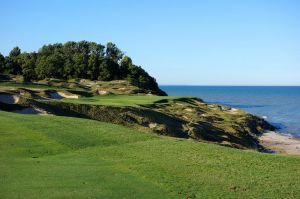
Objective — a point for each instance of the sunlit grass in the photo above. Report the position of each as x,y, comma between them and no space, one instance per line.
120,100
62,157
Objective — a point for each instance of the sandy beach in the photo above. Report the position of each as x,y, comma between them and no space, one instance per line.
280,143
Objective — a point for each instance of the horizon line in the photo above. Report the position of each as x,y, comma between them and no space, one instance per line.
228,85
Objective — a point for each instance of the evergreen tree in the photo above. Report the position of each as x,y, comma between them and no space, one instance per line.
12,65
113,52
2,63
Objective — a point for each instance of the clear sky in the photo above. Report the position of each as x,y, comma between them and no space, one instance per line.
208,42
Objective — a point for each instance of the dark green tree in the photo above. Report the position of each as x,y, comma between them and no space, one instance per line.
15,52
125,66
12,65
113,52
28,63
93,67
69,50
49,66
80,65
2,63
109,70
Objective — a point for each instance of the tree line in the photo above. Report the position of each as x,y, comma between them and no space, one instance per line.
71,60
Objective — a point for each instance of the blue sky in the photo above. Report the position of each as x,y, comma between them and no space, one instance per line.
233,42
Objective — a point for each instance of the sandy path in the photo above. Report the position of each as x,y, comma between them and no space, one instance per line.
280,143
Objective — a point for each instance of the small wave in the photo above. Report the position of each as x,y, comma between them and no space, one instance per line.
279,126
238,105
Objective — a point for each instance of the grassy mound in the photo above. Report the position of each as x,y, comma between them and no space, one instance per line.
64,157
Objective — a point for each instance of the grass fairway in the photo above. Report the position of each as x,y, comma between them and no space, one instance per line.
120,100
61,157
6,85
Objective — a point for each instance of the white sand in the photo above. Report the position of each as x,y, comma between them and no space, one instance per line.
68,96
102,92
280,143
60,95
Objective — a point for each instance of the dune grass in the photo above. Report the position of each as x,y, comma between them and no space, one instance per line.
63,157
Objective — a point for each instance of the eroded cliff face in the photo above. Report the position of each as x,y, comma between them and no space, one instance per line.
180,117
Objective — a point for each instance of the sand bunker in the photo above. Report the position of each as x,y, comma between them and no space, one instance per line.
280,143
102,92
233,110
9,98
69,96
31,111
60,95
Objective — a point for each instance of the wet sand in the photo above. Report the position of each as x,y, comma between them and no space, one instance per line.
280,143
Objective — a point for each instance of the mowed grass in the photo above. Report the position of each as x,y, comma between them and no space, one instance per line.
6,85
120,100
64,157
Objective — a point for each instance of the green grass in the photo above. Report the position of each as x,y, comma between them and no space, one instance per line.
61,157
120,100
5,85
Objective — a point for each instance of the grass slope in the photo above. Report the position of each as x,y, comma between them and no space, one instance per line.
61,157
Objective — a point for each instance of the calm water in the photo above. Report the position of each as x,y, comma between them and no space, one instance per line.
278,105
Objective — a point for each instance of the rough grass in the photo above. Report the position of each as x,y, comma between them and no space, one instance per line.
61,157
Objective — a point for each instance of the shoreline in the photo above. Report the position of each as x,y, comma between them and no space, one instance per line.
280,143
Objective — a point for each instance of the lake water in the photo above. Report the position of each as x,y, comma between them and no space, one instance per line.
277,104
